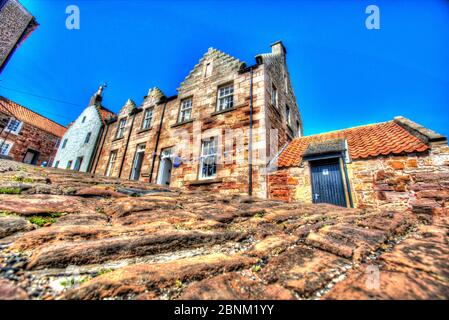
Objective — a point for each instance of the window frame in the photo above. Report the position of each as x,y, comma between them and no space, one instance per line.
4,142
87,138
144,118
111,163
64,143
180,114
69,164
204,156
274,95
121,130
17,129
224,97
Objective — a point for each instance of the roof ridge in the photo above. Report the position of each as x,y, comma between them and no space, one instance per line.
346,129
3,97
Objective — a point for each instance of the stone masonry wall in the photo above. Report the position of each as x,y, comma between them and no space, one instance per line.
416,181
31,137
232,176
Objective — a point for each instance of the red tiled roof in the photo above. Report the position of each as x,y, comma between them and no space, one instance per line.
105,113
26,115
387,138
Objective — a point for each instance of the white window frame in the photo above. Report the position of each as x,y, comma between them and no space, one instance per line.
185,109
288,115
17,129
121,128
225,97
274,95
111,163
9,145
208,153
147,118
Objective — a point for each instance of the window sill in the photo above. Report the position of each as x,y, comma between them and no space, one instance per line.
182,123
144,130
205,181
117,139
223,111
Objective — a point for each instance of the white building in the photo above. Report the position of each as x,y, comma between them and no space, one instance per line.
79,144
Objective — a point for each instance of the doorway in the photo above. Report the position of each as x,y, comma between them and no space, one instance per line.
138,160
165,167
31,157
327,182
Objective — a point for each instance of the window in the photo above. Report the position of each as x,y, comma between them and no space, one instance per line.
69,164
111,163
14,126
297,126
84,119
208,69
274,95
208,159
185,113
5,147
64,143
147,118
288,115
56,164
78,163
87,137
57,142
225,97
121,128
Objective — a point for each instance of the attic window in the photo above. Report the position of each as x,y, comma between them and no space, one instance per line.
208,69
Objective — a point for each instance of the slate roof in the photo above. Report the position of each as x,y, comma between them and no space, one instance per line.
380,139
26,115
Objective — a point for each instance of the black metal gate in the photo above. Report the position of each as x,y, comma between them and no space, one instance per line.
327,182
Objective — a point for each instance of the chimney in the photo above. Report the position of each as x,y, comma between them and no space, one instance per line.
278,48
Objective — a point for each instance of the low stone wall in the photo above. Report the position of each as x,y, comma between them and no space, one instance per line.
415,181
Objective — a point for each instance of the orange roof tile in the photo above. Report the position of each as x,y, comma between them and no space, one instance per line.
363,142
26,115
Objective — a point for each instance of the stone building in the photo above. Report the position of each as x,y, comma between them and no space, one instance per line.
218,133
80,142
16,24
392,165
27,136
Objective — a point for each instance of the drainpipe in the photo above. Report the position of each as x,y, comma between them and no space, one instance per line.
250,143
127,142
347,180
94,153
157,142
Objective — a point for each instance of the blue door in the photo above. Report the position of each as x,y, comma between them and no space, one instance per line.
327,182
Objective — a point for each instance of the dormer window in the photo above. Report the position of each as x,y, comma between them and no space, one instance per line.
185,112
147,118
225,97
274,95
121,128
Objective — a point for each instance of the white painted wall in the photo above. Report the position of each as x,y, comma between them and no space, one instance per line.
76,135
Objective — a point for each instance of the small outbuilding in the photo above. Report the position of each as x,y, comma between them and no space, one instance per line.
391,165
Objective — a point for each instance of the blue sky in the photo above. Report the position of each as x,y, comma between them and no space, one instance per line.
343,74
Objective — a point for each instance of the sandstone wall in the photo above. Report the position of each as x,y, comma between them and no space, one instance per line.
31,137
416,181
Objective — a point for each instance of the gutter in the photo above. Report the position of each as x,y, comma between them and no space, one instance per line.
157,141
133,113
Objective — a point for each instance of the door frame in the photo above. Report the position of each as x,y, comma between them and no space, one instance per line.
339,158
161,158
36,155
134,160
